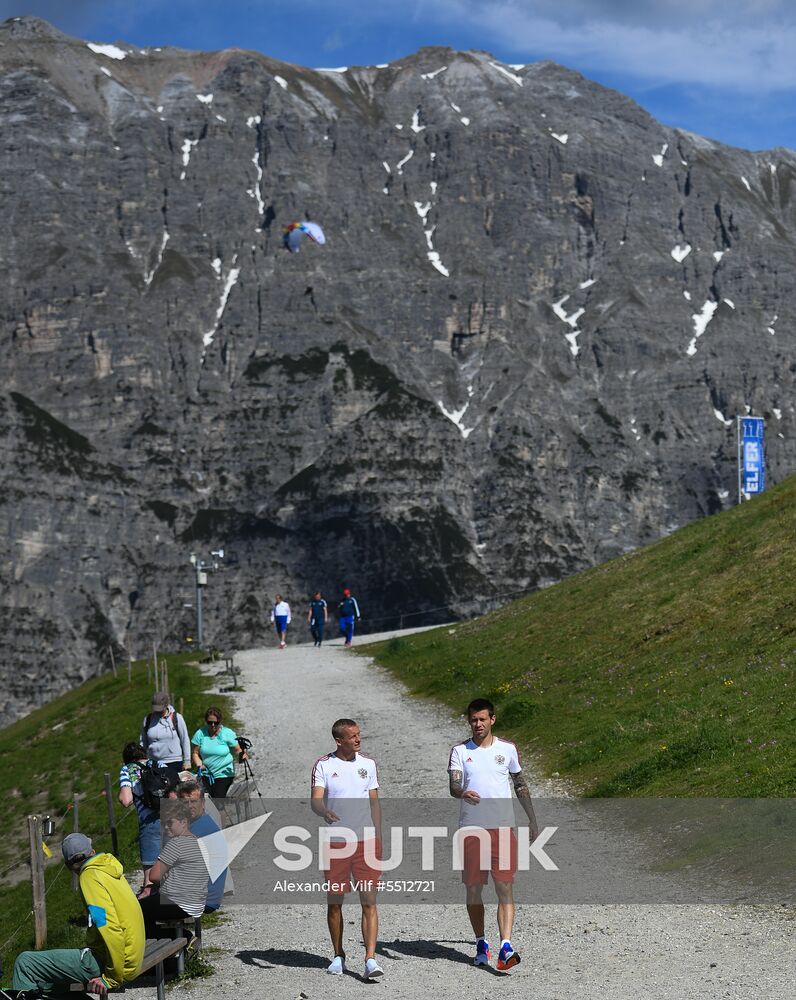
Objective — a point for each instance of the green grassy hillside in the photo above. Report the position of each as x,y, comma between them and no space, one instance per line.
63,748
670,671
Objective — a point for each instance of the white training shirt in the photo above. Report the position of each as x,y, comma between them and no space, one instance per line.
348,784
281,609
486,770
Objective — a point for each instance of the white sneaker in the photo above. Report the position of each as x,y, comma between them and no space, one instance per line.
337,966
372,969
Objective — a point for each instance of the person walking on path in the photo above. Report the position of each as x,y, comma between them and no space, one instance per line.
164,735
215,747
481,772
317,617
115,938
280,616
345,793
348,612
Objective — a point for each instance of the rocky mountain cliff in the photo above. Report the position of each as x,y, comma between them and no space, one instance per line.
519,353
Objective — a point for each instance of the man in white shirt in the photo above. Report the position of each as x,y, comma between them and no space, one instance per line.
482,772
345,792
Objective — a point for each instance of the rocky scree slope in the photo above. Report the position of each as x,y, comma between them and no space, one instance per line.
520,352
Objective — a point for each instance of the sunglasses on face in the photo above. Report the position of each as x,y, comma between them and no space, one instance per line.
212,722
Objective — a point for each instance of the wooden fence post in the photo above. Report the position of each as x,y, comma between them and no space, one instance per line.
75,829
37,882
129,670
182,706
113,661
164,666
155,663
111,814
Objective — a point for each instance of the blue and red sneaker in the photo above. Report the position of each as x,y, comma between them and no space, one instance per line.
507,958
482,952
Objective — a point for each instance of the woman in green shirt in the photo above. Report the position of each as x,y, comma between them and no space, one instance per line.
214,747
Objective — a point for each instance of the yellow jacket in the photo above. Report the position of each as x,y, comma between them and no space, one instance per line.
115,922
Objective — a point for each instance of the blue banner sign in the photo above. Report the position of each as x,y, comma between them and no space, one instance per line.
753,459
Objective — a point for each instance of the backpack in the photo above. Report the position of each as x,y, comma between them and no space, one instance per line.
156,783
174,718
154,716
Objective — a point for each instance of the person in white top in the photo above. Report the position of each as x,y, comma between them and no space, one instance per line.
345,792
280,616
482,772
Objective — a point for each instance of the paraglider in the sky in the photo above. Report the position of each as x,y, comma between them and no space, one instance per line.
297,230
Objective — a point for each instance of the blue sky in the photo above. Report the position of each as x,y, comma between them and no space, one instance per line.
724,69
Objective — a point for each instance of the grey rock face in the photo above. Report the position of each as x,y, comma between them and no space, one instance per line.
520,352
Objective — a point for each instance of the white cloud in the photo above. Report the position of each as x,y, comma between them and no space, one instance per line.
333,41
707,42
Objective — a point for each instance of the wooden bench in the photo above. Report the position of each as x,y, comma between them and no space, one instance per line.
228,659
238,798
179,927
156,952
229,666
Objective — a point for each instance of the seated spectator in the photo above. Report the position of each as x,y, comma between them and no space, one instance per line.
180,870
115,939
214,750
209,832
164,735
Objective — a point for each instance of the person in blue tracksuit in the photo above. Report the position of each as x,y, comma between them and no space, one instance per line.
348,613
317,617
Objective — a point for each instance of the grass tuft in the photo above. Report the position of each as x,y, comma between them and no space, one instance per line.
65,747
668,671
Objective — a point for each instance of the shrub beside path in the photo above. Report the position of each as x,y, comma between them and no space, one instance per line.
611,952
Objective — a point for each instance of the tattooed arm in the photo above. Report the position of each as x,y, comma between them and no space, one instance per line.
524,795
455,779
457,790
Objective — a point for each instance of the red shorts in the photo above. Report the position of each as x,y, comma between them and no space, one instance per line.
342,872
473,872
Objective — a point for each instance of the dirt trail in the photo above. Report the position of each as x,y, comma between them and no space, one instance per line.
610,952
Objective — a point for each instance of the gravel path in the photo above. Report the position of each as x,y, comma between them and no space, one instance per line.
617,952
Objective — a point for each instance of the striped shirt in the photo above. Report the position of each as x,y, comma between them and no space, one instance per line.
186,881
130,777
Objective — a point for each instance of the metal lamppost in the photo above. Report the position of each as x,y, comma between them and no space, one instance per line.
201,569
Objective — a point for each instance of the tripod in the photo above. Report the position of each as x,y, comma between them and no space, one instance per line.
248,773
245,746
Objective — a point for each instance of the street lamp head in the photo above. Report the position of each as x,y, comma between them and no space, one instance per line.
192,559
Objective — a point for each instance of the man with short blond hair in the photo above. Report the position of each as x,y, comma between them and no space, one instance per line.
345,792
